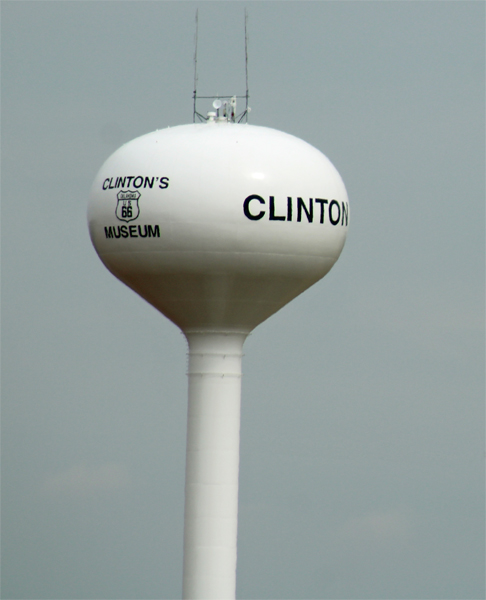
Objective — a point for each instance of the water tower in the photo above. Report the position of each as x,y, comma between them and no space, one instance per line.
217,225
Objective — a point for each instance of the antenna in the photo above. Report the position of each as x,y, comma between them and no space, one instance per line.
246,65
230,114
194,95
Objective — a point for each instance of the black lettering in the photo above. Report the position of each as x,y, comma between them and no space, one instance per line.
106,182
334,221
155,232
273,217
126,231
344,212
246,207
128,180
164,183
111,187
309,213
322,203
135,182
126,211
121,182
149,182
289,208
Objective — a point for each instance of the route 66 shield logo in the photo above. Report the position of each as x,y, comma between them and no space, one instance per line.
127,208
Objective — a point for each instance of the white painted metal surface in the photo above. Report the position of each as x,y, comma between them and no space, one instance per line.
213,437
226,248
217,225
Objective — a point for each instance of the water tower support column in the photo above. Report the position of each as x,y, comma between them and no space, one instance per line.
212,464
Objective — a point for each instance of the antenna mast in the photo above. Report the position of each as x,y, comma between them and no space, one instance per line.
194,95
229,108
246,65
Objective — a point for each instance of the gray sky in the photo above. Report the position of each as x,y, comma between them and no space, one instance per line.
362,442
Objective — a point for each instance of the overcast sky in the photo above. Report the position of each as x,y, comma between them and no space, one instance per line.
362,437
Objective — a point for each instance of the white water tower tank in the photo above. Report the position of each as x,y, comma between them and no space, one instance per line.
218,225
